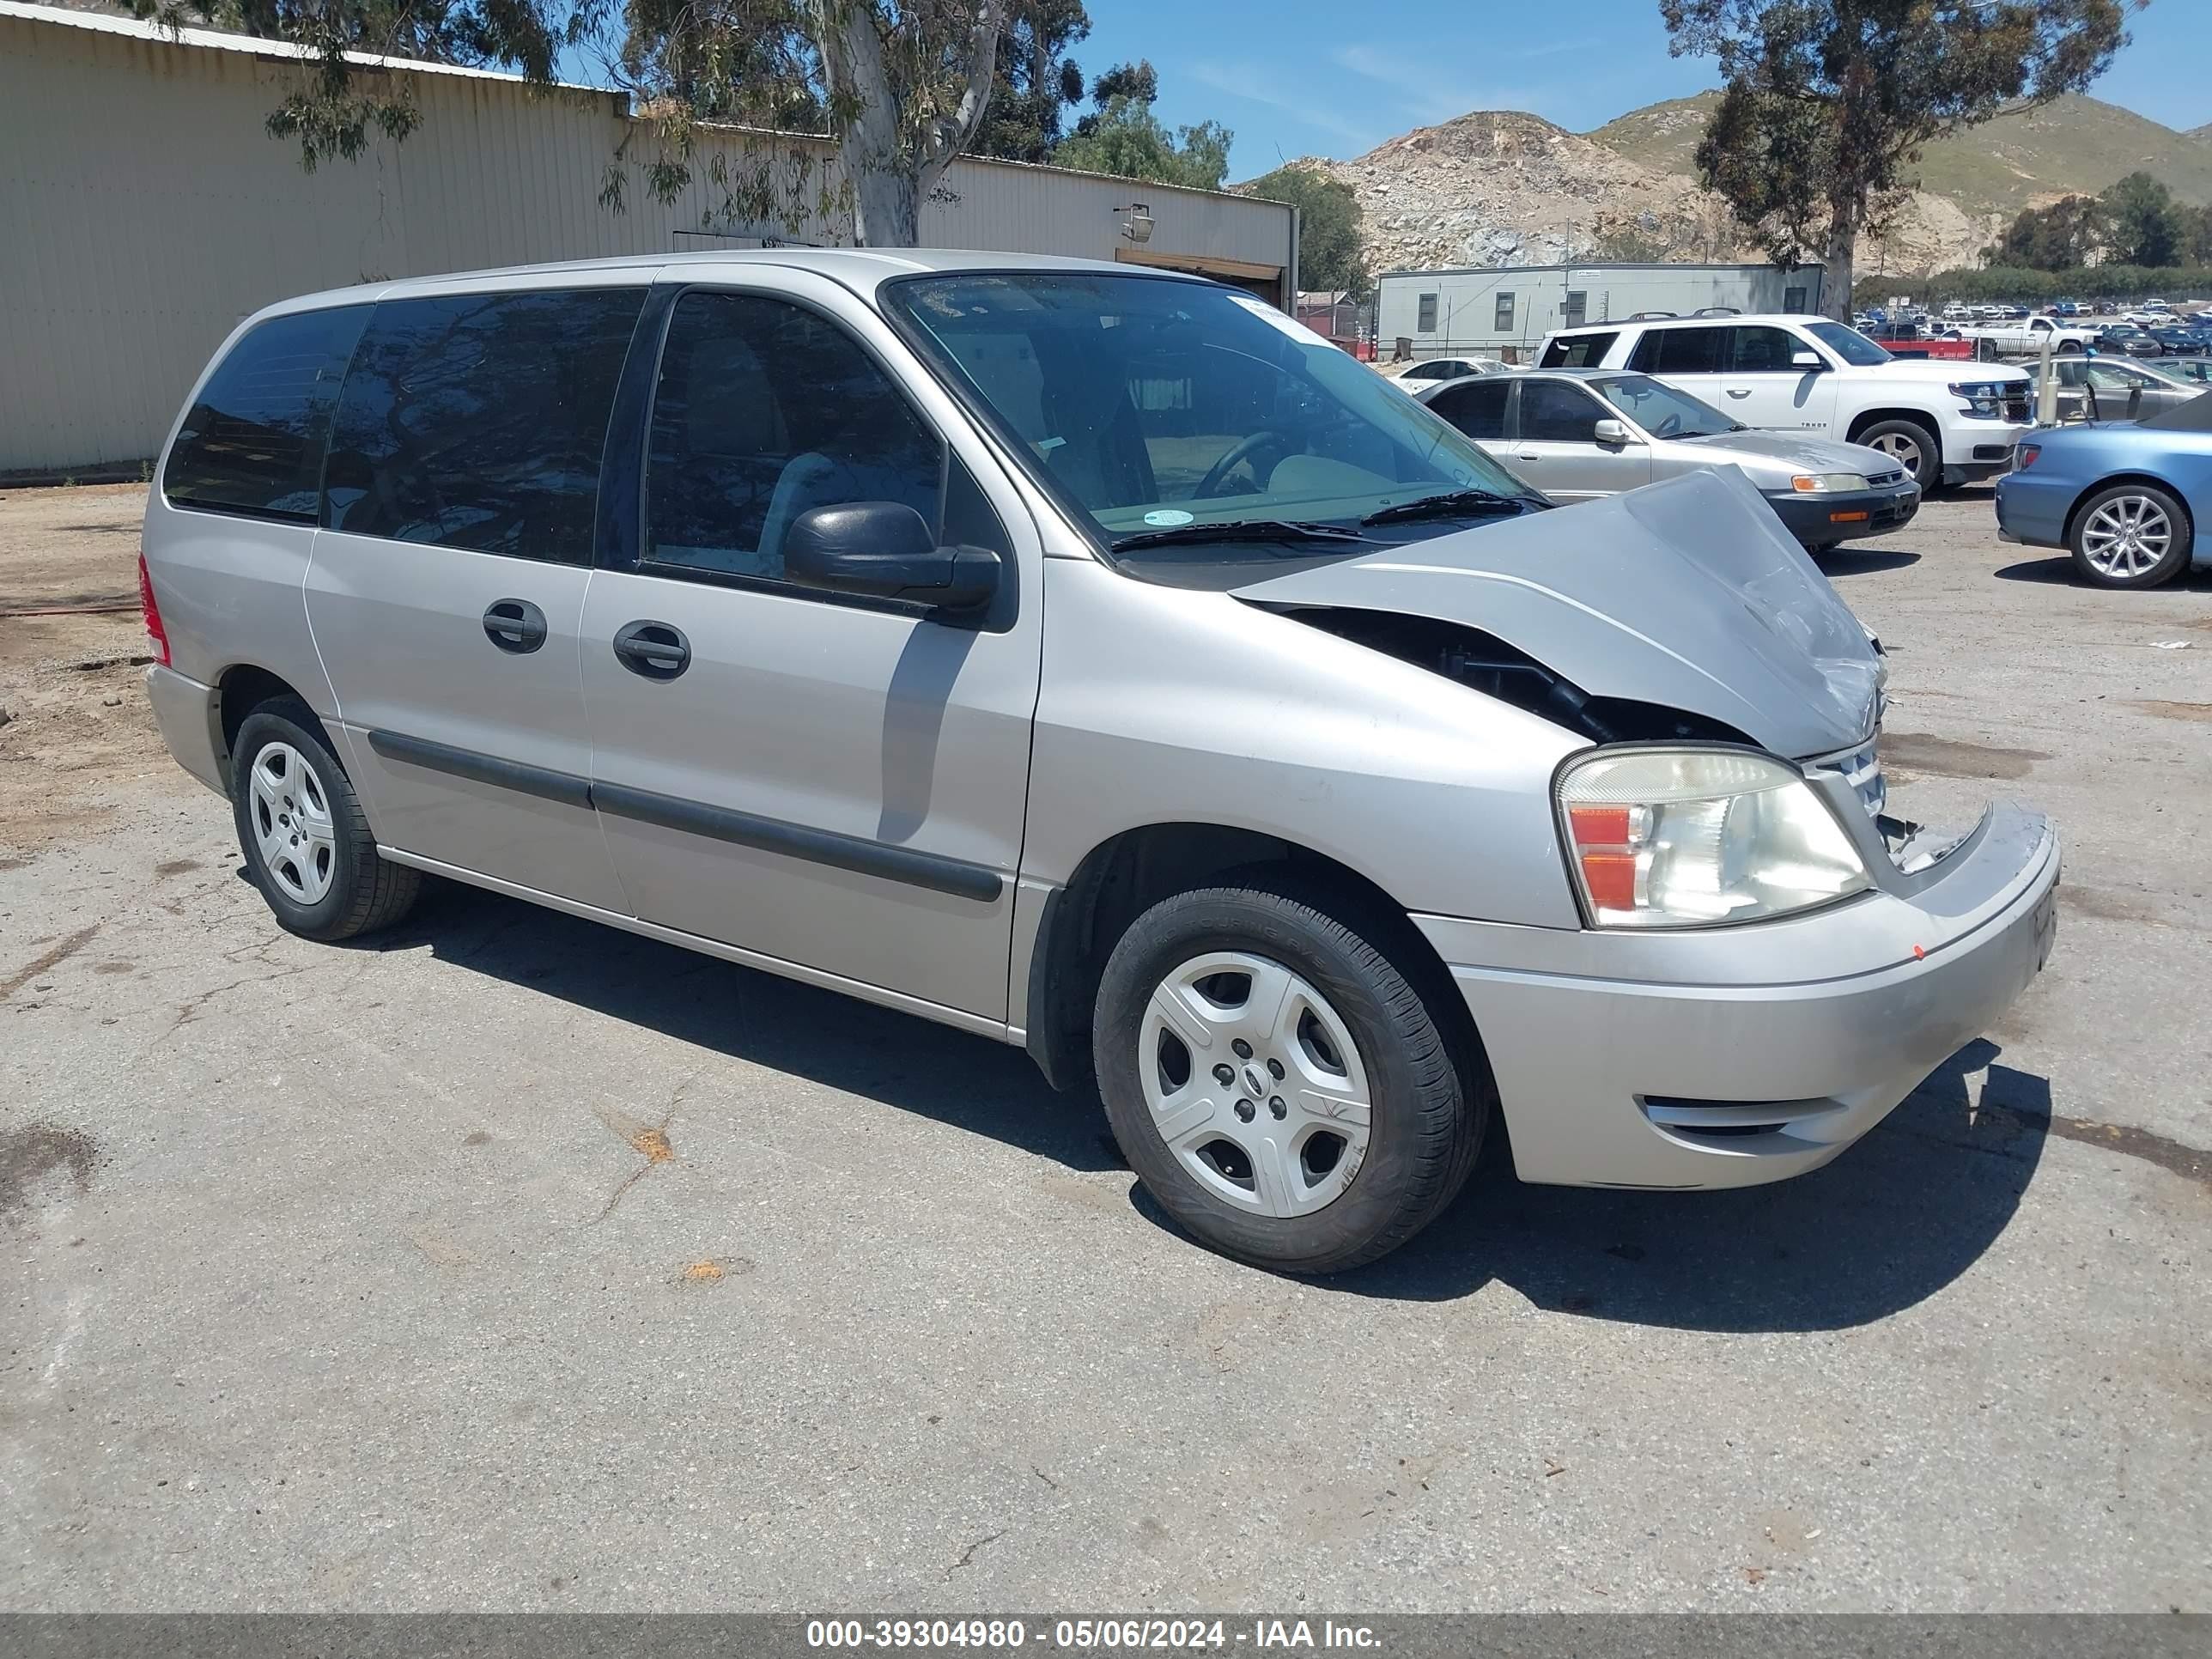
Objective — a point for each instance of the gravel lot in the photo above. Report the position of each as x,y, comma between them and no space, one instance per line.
513,1263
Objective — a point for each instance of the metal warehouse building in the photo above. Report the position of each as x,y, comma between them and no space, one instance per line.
145,209
1486,311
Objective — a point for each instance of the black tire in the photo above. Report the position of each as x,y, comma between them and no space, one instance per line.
2180,536
1429,1106
366,892
1928,470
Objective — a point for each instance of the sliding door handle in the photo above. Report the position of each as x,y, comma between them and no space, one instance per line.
657,650
514,625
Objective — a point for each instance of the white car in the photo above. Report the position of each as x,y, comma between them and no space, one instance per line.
1946,422
1430,370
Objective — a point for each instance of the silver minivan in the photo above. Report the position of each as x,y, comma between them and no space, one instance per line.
1096,661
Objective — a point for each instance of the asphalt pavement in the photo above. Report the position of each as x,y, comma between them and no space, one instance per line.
508,1262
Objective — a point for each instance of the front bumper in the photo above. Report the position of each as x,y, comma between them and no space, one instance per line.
1823,520
187,714
1726,1057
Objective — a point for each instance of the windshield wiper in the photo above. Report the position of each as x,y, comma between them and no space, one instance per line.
1453,504
1238,529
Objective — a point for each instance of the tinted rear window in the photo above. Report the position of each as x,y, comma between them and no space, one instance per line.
1477,409
1680,351
252,442
477,421
1583,351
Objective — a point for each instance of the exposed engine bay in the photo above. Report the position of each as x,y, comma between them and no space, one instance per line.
1484,663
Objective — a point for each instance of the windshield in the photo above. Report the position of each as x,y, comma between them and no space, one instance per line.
1853,347
1661,410
1154,403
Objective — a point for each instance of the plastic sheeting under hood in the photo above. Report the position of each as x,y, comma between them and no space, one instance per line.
1688,594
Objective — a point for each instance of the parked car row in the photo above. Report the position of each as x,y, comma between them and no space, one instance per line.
1943,422
877,622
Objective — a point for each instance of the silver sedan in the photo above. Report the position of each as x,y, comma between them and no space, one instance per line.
1578,434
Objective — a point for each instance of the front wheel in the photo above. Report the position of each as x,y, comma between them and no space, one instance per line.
1279,1084
1911,446
2132,535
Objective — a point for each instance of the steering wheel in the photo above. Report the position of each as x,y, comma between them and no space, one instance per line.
1244,449
1668,428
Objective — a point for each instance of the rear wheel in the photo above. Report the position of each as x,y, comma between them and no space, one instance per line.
1911,446
1279,1084
2132,535
307,843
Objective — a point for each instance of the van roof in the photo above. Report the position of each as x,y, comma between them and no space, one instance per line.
860,269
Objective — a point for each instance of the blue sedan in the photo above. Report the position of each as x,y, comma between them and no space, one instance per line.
2124,497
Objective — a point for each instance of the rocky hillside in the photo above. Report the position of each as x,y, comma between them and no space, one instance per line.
1496,187
1499,187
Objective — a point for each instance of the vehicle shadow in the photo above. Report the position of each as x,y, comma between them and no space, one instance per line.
1892,1222
2058,570
1862,561
917,1064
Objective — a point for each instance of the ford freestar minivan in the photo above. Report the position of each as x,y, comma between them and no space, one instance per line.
1095,659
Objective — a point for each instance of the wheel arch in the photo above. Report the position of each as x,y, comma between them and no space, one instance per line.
239,689
1123,876
1867,419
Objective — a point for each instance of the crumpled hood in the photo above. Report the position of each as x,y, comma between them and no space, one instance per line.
1688,594
1796,451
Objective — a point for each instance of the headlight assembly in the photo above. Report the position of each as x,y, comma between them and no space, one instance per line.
1827,483
1689,837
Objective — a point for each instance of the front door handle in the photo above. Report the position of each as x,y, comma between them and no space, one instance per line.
514,625
657,650
1734,392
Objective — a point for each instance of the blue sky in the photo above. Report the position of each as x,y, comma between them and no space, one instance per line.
1297,78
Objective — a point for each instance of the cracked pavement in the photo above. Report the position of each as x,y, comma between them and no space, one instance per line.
317,1297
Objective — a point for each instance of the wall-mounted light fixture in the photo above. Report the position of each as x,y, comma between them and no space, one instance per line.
1136,222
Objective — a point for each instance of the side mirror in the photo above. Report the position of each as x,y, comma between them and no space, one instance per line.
884,549
1610,431
1806,359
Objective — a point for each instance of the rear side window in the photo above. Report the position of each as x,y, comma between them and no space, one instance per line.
477,421
1583,351
1680,351
1477,408
252,442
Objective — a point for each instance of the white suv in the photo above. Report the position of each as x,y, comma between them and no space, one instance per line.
1945,422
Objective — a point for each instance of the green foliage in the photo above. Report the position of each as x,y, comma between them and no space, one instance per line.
1036,82
900,85
1122,137
1329,225
2146,225
1825,104
2061,237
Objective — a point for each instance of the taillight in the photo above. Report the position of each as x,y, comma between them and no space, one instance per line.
155,631
2025,457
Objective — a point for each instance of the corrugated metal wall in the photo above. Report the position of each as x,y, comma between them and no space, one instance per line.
145,209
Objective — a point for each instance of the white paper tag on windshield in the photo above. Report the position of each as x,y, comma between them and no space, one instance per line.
1267,314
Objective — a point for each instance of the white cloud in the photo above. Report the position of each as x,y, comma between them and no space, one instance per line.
1257,88
1427,102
